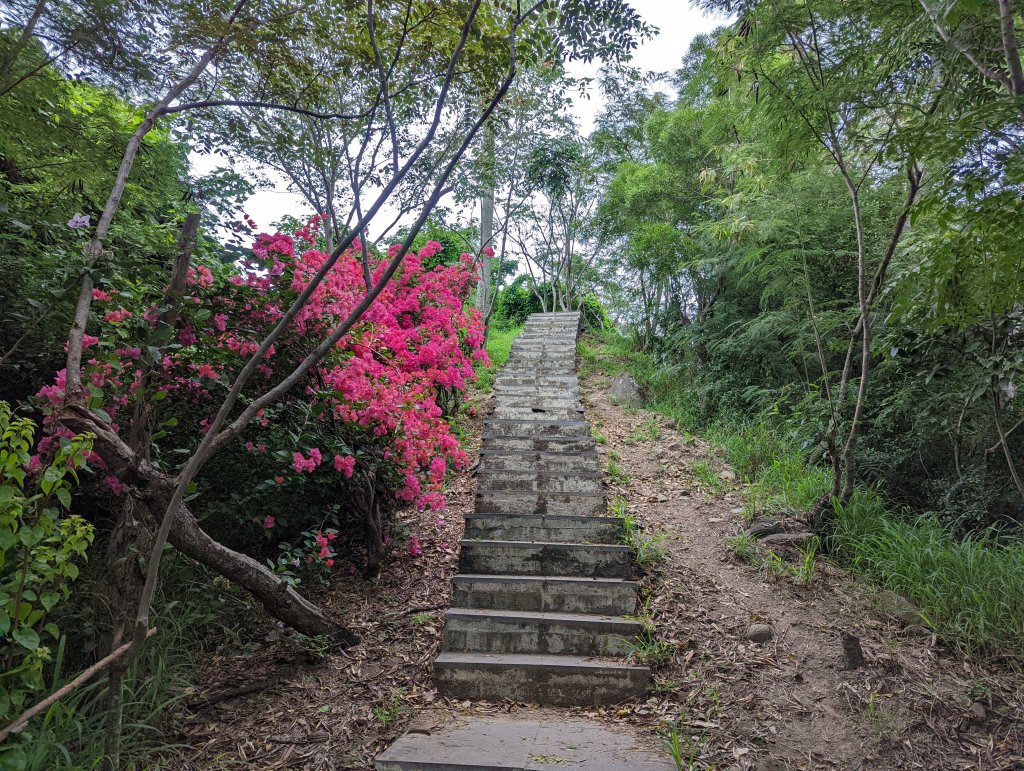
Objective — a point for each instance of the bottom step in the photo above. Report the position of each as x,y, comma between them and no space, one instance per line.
511,744
539,679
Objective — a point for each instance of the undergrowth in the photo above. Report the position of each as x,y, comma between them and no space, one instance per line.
72,733
968,590
499,346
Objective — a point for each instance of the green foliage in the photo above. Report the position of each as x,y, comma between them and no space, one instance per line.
499,346
648,550
41,548
969,590
72,733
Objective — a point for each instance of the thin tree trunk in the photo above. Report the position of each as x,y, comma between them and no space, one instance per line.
483,288
1010,47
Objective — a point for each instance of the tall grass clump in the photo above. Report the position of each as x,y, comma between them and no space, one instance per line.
969,591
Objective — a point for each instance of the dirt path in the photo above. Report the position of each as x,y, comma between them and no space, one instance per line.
334,709
788,702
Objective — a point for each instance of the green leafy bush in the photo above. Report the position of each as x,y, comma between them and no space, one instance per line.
41,546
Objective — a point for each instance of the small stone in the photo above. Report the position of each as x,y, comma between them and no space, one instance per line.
978,711
762,527
728,475
625,390
787,539
759,633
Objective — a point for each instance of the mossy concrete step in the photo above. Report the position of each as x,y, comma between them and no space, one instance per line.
516,558
548,444
507,378
558,680
549,594
546,528
528,502
540,481
481,630
497,427
567,411
541,461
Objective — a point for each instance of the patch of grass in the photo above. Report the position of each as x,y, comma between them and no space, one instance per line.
648,650
883,722
617,472
682,748
499,346
647,549
599,438
389,712
647,431
421,618
72,733
743,546
969,591
707,476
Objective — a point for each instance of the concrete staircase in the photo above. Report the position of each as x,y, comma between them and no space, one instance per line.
539,608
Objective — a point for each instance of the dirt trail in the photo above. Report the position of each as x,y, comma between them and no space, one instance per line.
788,702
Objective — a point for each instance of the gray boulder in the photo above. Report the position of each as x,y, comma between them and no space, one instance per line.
624,390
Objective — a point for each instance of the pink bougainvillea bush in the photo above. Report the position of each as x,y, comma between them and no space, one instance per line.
363,432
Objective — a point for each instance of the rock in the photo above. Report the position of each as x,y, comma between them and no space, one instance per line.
787,539
853,654
762,527
978,712
624,390
727,476
759,633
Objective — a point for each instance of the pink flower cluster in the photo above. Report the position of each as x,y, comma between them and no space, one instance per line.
383,378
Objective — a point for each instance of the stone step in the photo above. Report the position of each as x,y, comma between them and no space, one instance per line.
537,399
528,393
548,444
550,594
541,482
516,558
541,461
481,630
522,412
495,427
468,744
527,378
545,528
545,679
490,501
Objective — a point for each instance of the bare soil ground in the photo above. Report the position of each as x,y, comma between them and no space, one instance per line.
789,702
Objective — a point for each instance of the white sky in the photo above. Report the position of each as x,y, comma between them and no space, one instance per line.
676,20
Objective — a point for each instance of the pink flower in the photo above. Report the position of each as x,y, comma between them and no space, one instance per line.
268,522
116,317
415,549
207,370
220,321
100,295
300,463
116,485
344,464
279,480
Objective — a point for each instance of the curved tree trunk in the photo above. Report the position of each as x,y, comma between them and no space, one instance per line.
151,490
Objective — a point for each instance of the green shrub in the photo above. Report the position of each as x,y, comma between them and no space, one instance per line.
41,547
